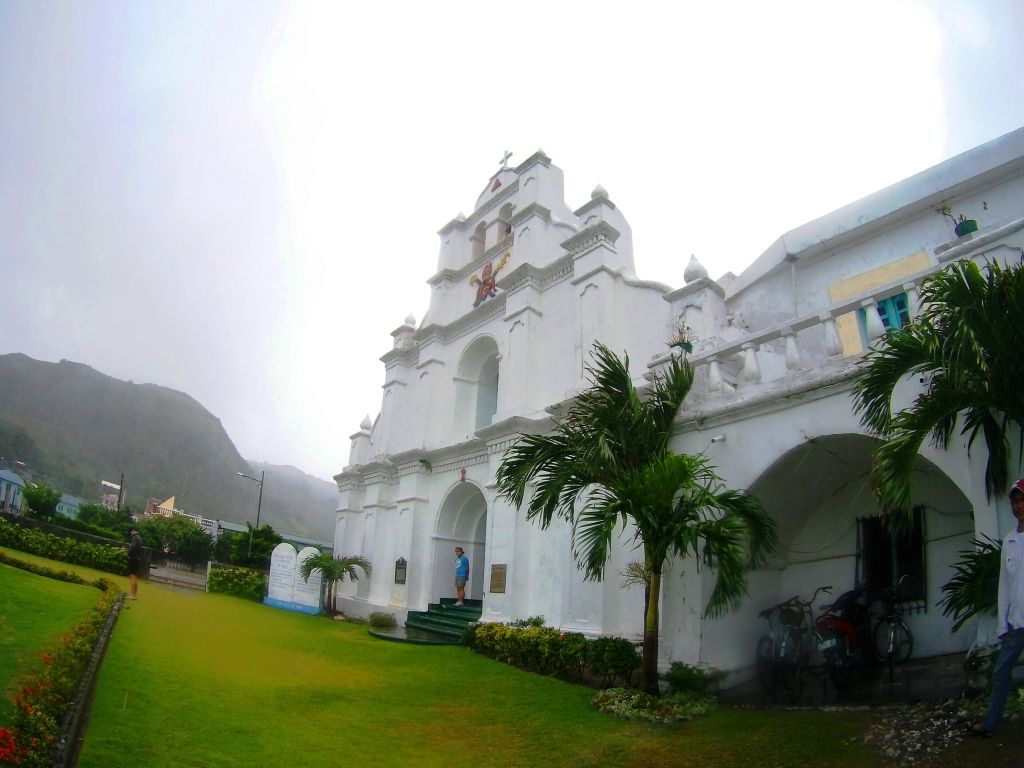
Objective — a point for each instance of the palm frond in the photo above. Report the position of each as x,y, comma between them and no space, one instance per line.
966,342
974,589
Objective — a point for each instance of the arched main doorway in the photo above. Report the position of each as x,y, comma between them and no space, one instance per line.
461,521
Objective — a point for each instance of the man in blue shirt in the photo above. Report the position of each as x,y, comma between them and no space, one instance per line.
461,575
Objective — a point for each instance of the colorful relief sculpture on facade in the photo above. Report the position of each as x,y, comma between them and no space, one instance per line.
488,280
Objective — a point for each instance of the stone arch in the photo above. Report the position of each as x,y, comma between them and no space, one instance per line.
476,385
818,490
461,521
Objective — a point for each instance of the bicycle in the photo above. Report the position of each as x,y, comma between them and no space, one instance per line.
793,645
893,640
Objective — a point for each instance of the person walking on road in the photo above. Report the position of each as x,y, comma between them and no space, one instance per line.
134,562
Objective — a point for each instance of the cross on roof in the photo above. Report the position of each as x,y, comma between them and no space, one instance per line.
504,159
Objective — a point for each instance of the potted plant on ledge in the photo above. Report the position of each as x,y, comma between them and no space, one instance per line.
961,225
683,337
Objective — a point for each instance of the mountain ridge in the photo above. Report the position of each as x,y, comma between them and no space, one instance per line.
81,426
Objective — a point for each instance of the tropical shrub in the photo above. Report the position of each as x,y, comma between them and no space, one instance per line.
98,516
381,620
83,527
254,548
635,705
687,678
178,536
612,657
975,587
45,694
240,582
549,651
41,500
334,570
102,557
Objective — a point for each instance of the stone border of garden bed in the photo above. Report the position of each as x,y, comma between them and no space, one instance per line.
69,742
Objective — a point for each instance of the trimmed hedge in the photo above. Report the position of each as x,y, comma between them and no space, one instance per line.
46,693
111,559
240,582
549,651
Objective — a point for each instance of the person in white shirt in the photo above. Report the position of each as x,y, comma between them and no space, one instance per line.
1010,617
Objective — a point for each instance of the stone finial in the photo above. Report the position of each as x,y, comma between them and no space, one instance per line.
410,319
461,216
366,425
694,270
599,191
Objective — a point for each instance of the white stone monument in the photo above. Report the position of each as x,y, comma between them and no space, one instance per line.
287,589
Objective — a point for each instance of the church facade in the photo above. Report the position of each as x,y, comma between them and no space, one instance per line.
526,284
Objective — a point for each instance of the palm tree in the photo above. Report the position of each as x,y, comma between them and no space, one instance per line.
333,570
967,346
607,463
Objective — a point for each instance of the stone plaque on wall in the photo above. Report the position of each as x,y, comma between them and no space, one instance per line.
498,573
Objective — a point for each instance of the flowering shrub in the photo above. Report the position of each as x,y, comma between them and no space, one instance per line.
45,694
635,705
99,556
240,582
8,747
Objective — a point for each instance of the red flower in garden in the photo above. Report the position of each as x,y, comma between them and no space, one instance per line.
8,747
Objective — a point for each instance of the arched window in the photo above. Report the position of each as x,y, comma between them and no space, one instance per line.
505,221
476,386
479,240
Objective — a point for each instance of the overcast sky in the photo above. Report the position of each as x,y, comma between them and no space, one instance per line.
240,200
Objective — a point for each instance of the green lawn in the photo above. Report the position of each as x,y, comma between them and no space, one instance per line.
34,612
207,680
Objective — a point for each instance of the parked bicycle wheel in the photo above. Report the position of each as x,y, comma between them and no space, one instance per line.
902,641
766,663
790,659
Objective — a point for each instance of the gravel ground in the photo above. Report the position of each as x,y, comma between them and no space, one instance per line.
910,735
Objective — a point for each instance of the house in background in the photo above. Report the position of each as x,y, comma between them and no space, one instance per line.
523,288
68,506
110,494
11,488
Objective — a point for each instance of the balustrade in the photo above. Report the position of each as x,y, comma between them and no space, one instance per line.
798,349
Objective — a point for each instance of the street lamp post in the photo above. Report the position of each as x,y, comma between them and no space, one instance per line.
259,503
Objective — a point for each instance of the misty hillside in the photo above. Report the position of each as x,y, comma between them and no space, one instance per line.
75,426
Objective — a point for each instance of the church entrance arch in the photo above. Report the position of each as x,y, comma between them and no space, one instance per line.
462,522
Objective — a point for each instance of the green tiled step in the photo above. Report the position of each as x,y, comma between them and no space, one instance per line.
445,618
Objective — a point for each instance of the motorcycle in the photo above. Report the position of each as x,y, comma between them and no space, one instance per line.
845,627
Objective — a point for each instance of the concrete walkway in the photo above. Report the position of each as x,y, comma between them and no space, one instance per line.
175,577
931,679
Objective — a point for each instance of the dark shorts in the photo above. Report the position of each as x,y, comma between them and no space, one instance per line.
134,567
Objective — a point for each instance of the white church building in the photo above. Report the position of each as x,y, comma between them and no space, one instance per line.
525,285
